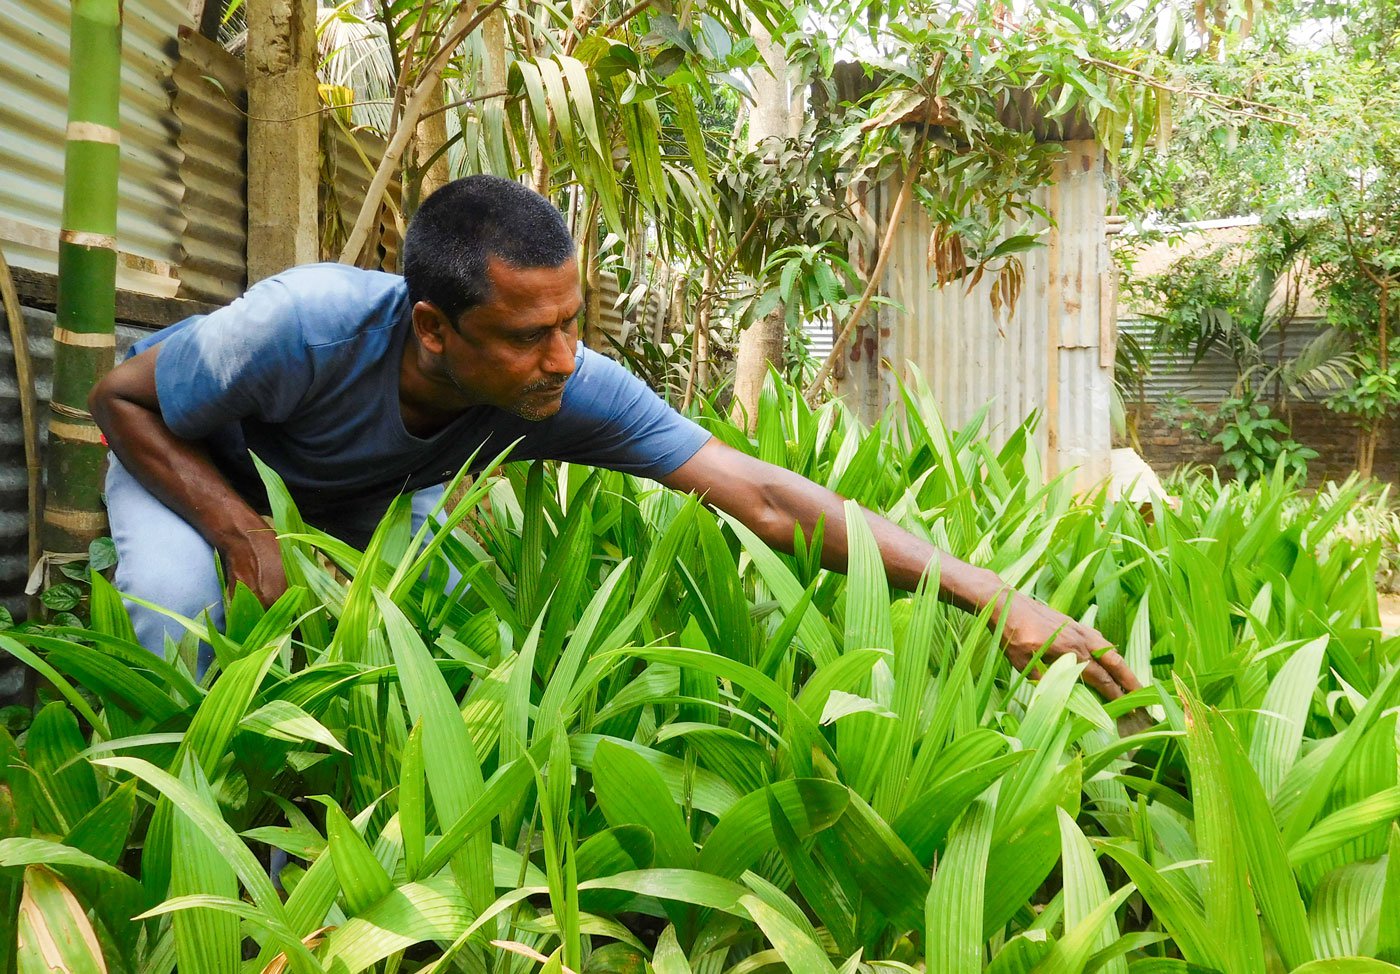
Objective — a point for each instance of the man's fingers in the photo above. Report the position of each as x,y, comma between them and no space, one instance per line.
1116,666
1097,677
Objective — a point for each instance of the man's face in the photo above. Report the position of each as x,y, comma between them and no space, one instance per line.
517,350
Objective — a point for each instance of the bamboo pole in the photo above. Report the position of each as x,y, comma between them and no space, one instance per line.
84,340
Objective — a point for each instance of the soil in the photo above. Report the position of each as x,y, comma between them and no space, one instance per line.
1390,613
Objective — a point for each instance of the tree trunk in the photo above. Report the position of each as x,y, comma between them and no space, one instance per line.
429,140
772,117
702,331
87,281
1366,451
592,279
492,112
700,347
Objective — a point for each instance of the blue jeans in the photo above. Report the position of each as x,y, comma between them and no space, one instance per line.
165,561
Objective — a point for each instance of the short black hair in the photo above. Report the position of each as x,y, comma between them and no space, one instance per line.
465,223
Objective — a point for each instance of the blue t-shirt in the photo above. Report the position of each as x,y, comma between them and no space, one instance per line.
303,370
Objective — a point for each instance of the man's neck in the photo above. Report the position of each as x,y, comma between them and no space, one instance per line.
427,403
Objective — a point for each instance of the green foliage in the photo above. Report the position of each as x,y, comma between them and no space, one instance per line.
1310,148
1373,396
1254,442
637,735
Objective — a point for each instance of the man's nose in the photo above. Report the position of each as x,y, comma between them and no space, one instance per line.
562,349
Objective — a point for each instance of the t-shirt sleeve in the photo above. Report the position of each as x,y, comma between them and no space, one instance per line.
612,419
248,359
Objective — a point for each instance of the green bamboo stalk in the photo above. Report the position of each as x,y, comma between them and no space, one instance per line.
84,341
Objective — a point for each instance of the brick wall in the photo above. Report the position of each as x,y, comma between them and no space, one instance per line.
1164,445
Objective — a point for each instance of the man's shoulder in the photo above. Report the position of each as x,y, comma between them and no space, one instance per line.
337,303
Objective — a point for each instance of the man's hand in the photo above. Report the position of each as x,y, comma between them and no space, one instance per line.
1030,625
255,560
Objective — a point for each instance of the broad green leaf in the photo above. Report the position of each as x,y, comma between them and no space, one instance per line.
1085,890
450,760
954,904
284,721
744,832
205,940
363,880
53,740
1175,912
798,951
1278,730
54,932
1388,929
103,831
886,871
431,910
1229,901
1348,823
1071,952
631,792
250,871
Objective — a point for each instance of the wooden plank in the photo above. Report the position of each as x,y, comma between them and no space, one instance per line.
40,290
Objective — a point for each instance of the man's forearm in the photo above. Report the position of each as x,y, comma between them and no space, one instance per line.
177,472
773,502
906,557
181,476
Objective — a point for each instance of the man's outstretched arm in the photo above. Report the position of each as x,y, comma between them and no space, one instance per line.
771,500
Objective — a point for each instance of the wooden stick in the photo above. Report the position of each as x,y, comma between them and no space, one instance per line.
886,245
467,19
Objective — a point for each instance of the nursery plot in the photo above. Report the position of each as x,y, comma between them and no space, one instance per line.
635,738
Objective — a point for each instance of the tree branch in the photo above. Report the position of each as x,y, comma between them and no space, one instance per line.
886,246
468,17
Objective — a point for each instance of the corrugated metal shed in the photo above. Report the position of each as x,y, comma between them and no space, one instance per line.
1052,355
213,168
33,119
1213,378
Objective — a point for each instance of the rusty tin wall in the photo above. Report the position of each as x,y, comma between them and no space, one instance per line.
14,515
973,360
213,169
33,119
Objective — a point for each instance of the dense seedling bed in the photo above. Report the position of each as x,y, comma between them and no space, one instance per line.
633,735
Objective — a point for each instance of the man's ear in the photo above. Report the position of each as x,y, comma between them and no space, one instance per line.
430,325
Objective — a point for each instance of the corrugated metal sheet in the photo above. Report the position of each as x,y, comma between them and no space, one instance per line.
14,510
614,325
33,117
349,164
973,361
1213,378
819,338
14,518
213,168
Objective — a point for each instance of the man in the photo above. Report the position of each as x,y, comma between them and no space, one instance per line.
356,386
